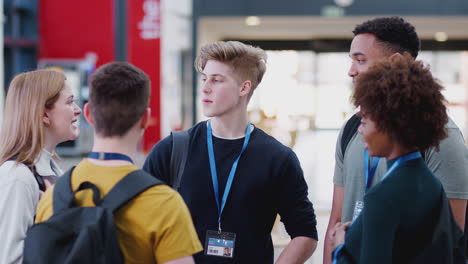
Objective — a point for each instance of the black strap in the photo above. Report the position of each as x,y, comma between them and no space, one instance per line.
348,132
125,190
466,231
63,194
128,188
39,180
180,146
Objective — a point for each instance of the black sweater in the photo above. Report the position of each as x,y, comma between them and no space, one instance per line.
268,181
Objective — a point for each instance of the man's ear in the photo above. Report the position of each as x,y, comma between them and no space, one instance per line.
245,88
87,114
145,119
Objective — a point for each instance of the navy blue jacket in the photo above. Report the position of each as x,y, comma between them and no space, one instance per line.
406,219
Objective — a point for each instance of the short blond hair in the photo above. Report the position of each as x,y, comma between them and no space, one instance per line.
247,62
22,131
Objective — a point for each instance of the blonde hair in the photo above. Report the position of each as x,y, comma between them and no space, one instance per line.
248,62
22,131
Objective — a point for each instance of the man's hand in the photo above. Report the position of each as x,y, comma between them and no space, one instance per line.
459,211
335,217
298,251
338,234
183,260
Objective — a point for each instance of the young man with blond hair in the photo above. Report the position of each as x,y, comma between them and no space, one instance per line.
236,177
155,226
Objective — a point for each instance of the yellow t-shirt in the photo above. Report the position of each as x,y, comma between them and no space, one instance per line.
154,227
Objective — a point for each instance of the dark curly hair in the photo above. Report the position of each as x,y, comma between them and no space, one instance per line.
394,33
403,99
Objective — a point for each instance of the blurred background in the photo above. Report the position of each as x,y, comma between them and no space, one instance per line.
304,97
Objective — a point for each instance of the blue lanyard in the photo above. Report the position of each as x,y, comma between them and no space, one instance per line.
214,173
369,173
109,156
400,160
337,251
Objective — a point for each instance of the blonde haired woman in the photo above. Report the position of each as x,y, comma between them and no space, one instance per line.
40,113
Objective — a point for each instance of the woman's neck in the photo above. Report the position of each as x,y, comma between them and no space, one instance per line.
398,151
49,144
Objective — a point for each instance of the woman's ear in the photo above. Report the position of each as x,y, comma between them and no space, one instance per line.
46,118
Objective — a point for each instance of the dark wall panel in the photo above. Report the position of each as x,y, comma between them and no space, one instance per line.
314,7
342,45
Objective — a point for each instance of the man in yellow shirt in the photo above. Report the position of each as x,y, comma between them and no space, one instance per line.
155,226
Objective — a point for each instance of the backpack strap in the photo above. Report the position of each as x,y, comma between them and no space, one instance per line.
348,132
39,180
128,188
63,193
180,145
466,232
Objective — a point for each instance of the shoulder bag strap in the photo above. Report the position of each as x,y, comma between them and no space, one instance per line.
180,146
63,193
348,132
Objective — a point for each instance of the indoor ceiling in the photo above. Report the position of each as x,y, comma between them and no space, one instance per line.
310,28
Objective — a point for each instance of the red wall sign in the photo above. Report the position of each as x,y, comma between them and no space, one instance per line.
144,51
70,29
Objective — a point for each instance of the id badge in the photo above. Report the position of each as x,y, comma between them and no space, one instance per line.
220,244
358,209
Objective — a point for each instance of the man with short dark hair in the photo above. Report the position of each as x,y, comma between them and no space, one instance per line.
155,226
373,40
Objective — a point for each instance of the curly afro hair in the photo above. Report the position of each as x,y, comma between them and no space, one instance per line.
394,33
403,99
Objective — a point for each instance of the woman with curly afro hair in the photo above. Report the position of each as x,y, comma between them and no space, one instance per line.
403,113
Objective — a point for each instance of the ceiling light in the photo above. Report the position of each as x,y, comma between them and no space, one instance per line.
344,3
252,21
440,36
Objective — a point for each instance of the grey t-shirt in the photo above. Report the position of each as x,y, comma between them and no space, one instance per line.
450,165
